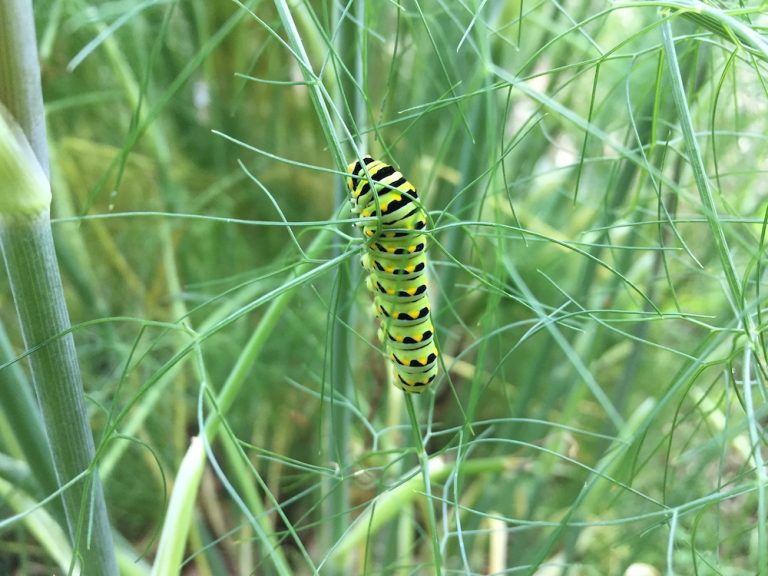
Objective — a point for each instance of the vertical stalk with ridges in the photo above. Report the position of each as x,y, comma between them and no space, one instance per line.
30,261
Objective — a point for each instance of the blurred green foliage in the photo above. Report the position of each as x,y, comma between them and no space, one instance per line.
590,343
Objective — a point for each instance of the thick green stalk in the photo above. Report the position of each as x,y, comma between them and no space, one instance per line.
20,88
23,417
30,260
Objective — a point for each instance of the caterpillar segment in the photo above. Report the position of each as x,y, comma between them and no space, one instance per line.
406,228
392,248
397,290
395,258
415,335
394,267
401,313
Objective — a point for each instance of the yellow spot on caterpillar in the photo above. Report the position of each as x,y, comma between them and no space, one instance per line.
410,269
423,361
391,292
414,314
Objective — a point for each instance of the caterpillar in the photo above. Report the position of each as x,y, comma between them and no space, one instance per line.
395,258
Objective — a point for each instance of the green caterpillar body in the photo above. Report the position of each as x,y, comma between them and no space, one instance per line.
395,257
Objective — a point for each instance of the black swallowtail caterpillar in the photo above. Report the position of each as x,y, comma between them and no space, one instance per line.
395,257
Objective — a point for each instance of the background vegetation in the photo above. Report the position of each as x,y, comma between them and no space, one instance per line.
595,175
